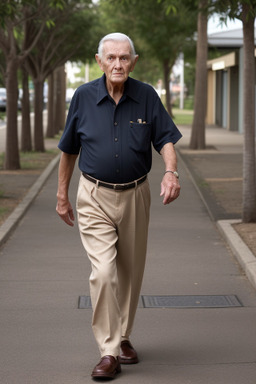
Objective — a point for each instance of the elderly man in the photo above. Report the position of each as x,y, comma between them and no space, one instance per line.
112,123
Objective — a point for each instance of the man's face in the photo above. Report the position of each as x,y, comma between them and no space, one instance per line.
116,61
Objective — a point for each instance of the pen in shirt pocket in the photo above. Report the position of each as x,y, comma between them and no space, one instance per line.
140,121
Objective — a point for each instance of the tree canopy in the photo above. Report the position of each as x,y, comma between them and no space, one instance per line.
160,30
24,28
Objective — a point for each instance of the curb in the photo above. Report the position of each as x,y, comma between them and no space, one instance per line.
12,221
192,178
240,250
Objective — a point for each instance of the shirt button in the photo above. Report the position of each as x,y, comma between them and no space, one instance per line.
117,155
116,139
117,171
115,123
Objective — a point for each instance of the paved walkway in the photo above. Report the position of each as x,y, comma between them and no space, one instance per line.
46,339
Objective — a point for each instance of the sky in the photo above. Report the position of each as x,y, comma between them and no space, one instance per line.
215,26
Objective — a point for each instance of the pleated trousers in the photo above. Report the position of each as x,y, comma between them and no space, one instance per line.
113,227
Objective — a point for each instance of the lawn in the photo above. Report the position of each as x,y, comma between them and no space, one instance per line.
183,116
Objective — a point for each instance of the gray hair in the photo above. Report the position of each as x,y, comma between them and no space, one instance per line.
116,37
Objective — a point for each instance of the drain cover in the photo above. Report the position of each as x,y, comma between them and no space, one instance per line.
84,302
203,301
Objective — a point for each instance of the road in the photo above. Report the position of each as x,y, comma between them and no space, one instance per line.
3,129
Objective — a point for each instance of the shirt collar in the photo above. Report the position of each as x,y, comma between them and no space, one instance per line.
129,90
102,90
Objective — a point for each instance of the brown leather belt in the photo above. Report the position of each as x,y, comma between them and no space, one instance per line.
116,187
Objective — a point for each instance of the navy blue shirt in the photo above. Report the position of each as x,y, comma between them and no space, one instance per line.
114,141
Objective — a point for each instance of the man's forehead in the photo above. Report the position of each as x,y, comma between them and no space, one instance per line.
117,47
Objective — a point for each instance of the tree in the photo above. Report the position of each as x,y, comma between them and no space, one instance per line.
56,101
13,37
2,69
246,11
249,181
197,140
51,131
163,29
54,48
26,139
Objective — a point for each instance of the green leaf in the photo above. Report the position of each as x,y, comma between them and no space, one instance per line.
50,24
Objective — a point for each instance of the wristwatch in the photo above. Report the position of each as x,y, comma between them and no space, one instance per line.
174,172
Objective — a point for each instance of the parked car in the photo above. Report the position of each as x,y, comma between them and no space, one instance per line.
3,99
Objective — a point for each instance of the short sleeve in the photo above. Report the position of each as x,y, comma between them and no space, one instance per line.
70,140
164,129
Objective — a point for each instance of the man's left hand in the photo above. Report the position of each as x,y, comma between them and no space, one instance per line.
170,188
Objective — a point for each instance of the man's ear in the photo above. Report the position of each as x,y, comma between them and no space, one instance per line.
134,62
99,61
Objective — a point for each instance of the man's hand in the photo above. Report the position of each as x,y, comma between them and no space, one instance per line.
64,208
65,211
170,188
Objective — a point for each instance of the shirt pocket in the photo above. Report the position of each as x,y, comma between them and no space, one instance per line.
140,136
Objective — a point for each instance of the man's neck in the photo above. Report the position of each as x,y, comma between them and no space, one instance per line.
115,91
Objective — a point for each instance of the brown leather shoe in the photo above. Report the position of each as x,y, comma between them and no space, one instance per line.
107,368
128,354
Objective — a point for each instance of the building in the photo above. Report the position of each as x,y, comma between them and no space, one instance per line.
225,81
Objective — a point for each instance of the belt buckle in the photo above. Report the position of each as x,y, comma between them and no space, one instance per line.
119,187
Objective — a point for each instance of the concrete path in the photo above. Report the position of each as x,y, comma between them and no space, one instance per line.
46,339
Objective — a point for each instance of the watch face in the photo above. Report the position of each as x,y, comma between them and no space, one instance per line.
176,174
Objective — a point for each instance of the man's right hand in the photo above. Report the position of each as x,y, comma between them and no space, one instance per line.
64,208
65,211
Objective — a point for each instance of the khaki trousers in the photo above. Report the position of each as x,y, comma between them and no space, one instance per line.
114,228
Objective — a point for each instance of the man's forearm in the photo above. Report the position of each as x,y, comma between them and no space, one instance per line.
66,168
169,157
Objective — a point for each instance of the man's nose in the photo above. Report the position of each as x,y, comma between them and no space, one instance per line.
117,63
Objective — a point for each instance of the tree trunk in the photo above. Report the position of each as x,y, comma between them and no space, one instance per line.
38,128
12,158
249,183
26,139
63,97
167,71
60,99
50,107
197,140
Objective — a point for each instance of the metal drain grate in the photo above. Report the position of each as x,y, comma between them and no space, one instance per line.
84,302
203,301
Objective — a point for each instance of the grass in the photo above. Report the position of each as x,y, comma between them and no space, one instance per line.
33,160
3,212
56,137
203,184
183,116
36,160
